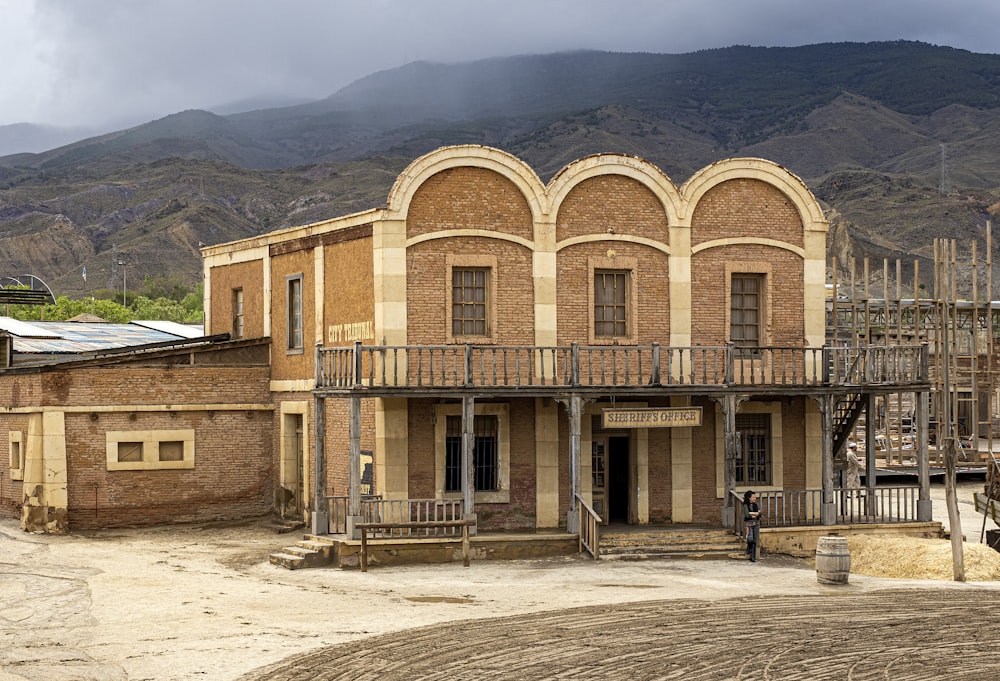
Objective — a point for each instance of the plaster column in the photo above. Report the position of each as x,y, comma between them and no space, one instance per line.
46,503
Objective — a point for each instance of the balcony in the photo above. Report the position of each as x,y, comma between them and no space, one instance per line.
425,370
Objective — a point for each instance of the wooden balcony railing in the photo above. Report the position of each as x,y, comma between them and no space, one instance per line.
495,366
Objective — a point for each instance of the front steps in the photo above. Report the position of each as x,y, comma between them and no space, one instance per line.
642,543
306,553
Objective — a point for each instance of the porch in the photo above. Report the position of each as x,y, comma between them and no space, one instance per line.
840,379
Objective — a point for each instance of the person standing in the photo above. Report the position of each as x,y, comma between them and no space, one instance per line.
852,476
751,521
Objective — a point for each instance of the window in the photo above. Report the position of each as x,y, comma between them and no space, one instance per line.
16,455
470,301
611,296
294,304
129,452
172,450
753,457
746,308
485,460
237,313
490,451
149,450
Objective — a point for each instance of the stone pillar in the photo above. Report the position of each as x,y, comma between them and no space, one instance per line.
546,463
46,500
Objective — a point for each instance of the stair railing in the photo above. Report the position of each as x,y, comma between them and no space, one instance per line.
590,523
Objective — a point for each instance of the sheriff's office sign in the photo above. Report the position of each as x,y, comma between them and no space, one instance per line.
651,418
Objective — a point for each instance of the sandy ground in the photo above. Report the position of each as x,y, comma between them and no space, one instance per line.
202,602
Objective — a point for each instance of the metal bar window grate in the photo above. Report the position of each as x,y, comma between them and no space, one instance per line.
485,454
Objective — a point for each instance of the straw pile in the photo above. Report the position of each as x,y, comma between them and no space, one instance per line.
913,558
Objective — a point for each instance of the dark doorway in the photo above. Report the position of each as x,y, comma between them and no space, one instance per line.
618,487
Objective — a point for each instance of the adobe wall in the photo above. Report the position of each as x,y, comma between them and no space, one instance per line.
248,276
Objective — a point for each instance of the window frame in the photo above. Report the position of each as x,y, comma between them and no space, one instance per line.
294,321
772,408
15,442
487,263
501,410
238,313
754,433
149,441
617,265
759,311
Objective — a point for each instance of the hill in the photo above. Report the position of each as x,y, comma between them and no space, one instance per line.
897,139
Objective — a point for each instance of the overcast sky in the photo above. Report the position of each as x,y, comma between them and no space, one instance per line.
123,62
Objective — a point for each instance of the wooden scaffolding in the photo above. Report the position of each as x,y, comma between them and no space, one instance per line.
959,321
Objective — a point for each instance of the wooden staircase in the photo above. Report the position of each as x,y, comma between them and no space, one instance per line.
644,542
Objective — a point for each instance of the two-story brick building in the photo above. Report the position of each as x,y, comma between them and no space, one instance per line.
509,349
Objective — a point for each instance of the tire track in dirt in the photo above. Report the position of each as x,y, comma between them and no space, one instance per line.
897,635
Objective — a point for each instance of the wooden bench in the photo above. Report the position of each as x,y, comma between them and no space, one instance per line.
427,524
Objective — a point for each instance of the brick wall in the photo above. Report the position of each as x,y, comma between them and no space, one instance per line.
745,208
428,289
611,202
11,491
469,198
232,477
288,365
650,277
123,384
250,277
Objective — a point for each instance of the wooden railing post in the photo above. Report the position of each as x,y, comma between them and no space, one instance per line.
654,376
357,363
468,364
574,361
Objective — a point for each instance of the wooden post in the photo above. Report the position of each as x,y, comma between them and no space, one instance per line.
320,514
573,515
468,448
354,483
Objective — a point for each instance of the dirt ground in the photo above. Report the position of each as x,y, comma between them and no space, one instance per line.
202,602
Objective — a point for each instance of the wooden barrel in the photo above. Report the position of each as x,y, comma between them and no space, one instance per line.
833,560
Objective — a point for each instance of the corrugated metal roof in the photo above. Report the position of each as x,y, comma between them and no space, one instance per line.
77,337
182,330
16,327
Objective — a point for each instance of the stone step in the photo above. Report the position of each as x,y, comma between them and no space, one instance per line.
671,544
306,553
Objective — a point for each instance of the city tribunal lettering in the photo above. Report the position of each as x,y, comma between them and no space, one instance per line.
667,417
338,333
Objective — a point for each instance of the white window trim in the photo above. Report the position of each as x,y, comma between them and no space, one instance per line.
16,437
150,440
777,451
502,412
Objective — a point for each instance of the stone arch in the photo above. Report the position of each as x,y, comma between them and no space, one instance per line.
469,155
763,170
633,167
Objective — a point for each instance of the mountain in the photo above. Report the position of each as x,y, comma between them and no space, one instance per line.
897,139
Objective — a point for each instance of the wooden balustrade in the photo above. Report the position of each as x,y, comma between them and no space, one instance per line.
634,367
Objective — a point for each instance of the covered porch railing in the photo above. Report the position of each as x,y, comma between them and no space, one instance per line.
497,366
800,508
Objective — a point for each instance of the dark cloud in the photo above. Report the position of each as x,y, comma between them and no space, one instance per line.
108,61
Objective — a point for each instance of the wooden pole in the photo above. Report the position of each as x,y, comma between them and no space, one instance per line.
954,519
